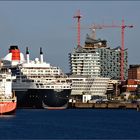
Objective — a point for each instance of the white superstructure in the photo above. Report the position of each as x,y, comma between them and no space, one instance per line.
5,83
39,74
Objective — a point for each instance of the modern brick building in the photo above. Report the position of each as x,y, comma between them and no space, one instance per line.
134,72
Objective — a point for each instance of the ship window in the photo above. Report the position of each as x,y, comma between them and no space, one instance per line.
8,79
40,84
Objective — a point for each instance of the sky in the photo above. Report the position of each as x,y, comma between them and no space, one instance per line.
50,25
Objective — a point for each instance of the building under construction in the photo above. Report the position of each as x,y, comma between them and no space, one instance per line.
97,59
85,62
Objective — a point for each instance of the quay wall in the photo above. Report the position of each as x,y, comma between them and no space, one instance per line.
103,105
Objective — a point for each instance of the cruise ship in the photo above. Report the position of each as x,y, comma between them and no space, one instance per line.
37,83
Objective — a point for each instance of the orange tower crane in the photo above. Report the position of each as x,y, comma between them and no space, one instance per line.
78,16
94,27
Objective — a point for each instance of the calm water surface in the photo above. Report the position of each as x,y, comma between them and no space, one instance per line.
71,124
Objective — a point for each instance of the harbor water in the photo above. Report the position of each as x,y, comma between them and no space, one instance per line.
71,124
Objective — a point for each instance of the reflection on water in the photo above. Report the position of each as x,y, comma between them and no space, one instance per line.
6,116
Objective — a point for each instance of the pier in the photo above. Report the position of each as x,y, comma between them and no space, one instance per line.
104,105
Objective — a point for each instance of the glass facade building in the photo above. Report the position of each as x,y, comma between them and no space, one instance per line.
96,59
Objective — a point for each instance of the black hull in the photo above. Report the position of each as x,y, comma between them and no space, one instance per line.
43,98
22,99
50,99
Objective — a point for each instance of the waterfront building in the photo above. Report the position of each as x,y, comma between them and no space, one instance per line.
85,62
97,59
134,72
113,88
110,62
132,84
85,87
98,63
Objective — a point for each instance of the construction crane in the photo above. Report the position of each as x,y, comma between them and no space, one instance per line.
94,27
122,26
78,16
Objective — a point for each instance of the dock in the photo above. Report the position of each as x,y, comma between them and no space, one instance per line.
82,105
